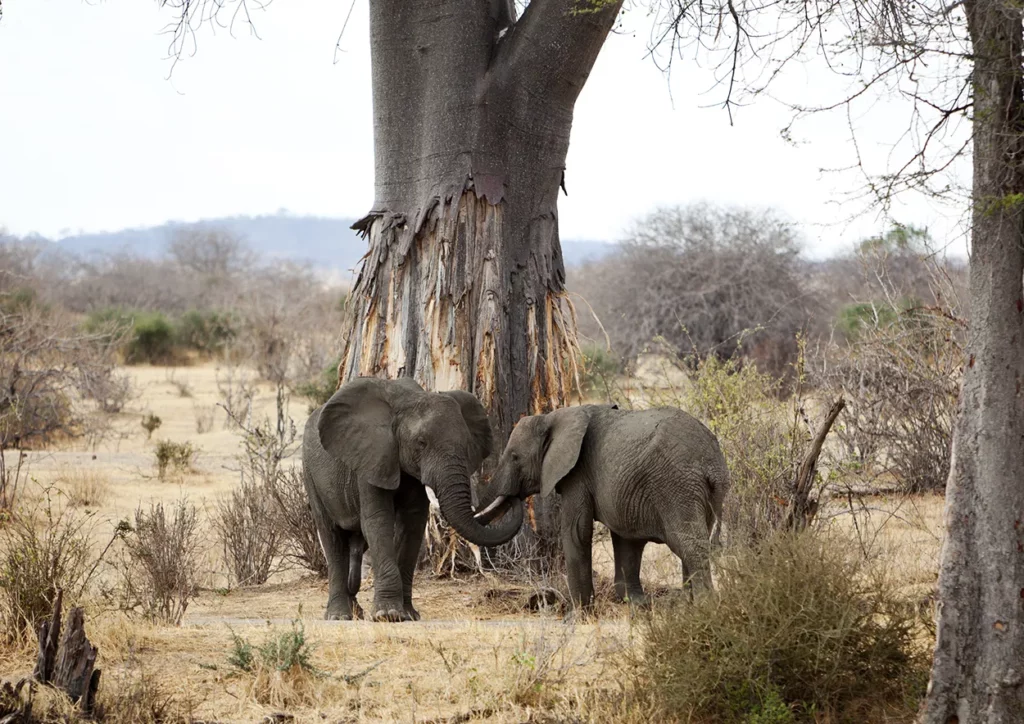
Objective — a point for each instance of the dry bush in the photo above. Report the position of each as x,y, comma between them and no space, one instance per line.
137,696
184,387
698,277
84,488
796,630
899,368
250,539
176,456
47,370
281,670
288,530
294,519
43,546
236,388
204,418
159,568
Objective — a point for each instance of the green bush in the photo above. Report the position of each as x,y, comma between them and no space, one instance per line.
854,318
599,368
320,389
180,456
151,335
797,629
286,651
206,331
761,437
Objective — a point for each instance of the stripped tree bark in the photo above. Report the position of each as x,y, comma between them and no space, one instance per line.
978,670
463,284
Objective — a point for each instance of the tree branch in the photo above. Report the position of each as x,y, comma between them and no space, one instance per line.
551,49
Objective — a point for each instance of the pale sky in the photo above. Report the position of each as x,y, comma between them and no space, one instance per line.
95,136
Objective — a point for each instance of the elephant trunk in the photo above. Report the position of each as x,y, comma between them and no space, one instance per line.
454,497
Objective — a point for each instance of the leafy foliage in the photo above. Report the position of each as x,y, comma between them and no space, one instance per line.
797,629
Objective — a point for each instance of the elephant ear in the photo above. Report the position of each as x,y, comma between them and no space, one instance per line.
565,431
479,426
355,429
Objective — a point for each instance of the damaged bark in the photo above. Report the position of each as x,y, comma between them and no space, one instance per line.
463,284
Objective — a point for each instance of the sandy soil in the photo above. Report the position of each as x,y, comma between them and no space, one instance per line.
476,653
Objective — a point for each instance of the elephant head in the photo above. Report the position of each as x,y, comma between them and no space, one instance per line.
541,450
379,429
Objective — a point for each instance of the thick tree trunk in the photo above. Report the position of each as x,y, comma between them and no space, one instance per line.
978,671
463,283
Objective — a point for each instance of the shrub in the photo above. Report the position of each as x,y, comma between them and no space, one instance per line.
320,389
599,368
796,630
282,672
150,337
760,438
249,537
150,423
294,519
180,456
284,651
159,574
47,367
900,376
42,548
204,418
206,331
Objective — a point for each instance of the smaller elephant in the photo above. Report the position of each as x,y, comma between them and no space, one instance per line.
368,456
650,476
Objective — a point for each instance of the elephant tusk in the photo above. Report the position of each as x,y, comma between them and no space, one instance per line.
487,513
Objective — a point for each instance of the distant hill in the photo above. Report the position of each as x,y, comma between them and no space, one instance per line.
325,242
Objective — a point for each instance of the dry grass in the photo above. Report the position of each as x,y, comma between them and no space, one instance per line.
84,487
478,652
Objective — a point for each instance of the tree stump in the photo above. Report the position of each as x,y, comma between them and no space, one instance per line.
69,665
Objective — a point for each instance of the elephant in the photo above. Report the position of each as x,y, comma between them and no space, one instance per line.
368,455
655,475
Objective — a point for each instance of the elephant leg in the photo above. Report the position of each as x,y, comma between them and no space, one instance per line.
628,556
411,522
577,522
379,532
334,543
690,542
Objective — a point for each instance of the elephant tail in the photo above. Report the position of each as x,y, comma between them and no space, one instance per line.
718,485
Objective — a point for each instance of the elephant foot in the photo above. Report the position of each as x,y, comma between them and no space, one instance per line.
357,610
411,614
579,615
392,615
337,616
639,601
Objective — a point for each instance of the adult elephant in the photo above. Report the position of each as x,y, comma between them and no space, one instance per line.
650,476
367,455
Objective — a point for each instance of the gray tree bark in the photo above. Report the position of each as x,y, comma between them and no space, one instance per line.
978,670
463,284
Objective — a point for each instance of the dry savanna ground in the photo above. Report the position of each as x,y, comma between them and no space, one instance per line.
476,655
